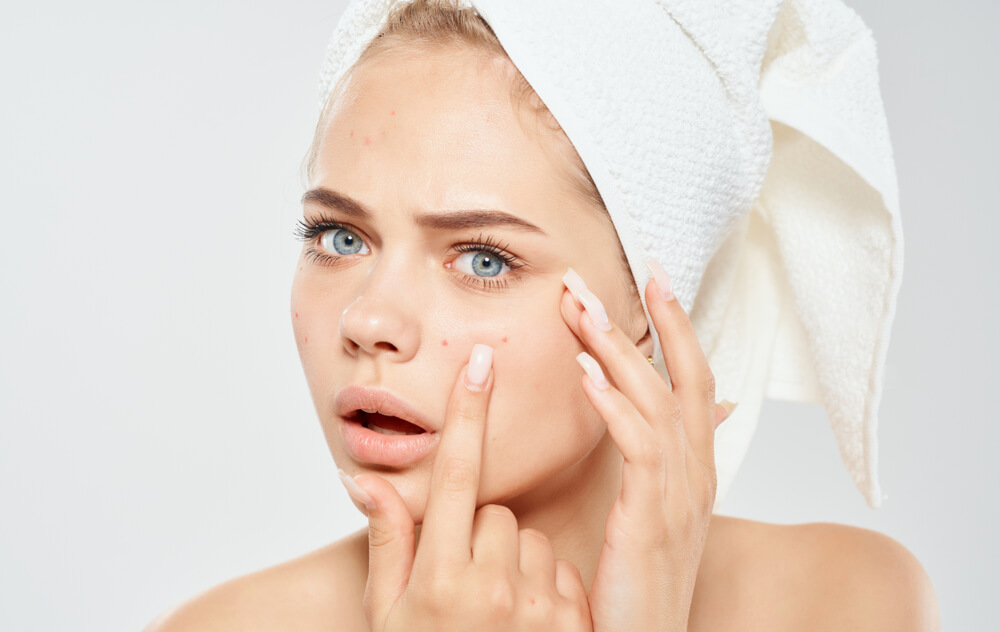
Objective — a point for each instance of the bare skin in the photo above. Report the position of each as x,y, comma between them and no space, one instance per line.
753,576
433,132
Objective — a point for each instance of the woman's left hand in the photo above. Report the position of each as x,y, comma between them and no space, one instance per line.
656,530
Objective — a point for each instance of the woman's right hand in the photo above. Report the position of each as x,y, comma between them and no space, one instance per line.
474,570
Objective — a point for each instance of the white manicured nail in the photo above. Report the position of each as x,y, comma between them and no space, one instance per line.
355,490
593,369
590,302
479,367
662,279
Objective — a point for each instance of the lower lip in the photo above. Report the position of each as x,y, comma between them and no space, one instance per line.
368,446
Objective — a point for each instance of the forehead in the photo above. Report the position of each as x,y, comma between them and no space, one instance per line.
436,127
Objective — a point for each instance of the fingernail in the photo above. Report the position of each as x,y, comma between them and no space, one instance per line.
593,369
662,279
355,490
595,309
728,405
574,282
479,367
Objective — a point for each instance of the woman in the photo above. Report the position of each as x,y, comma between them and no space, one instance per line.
478,354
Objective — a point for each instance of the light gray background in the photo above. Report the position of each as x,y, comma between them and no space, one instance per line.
156,433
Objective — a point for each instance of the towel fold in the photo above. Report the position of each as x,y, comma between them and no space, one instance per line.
743,144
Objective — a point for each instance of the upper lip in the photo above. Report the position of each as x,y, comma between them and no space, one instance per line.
353,398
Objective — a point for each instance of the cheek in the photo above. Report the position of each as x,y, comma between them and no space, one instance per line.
315,310
539,416
302,309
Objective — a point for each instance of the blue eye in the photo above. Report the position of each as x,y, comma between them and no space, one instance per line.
343,242
482,263
485,263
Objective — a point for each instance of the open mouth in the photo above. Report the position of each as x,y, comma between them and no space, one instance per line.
385,424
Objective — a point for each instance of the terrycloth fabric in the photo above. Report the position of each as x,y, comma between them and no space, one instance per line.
743,144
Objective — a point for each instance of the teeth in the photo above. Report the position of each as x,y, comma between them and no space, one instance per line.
381,430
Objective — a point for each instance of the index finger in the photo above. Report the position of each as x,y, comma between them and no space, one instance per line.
446,534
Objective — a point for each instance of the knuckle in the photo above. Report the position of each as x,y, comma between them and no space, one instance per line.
565,567
500,595
537,535
433,594
458,474
379,537
498,511
495,517
652,456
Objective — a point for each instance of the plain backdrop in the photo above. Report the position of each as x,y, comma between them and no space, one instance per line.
156,433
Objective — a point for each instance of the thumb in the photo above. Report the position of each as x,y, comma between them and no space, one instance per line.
391,544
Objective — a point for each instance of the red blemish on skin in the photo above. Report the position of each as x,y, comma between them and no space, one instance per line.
368,141
505,338
352,133
393,113
296,314
307,338
532,601
444,343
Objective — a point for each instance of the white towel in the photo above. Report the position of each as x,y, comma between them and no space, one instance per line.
743,144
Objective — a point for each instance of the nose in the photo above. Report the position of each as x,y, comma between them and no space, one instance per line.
376,323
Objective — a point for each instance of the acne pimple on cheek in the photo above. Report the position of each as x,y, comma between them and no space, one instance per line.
296,314
444,343
352,133
505,338
307,338
368,141
393,113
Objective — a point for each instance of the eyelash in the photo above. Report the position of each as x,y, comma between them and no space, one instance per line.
308,230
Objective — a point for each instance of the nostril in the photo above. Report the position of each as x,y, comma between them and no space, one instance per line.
385,345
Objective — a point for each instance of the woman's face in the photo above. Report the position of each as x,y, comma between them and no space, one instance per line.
396,301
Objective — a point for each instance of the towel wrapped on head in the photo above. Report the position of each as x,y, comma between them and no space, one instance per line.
743,144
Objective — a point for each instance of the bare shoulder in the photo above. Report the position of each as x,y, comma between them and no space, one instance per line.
872,581
813,576
305,593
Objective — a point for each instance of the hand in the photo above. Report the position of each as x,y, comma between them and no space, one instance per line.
473,570
655,532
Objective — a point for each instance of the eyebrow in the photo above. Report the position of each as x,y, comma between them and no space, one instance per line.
454,220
